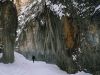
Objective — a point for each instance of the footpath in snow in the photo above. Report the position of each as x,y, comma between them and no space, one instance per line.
22,66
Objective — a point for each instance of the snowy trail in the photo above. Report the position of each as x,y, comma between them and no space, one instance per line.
22,66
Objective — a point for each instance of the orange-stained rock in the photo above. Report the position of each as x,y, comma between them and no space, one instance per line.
69,31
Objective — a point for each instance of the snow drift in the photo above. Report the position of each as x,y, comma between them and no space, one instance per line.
22,66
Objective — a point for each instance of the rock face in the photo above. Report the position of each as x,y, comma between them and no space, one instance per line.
90,50
21,3
8,26
44,38
71,44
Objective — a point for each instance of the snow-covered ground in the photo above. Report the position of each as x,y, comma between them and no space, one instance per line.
22,66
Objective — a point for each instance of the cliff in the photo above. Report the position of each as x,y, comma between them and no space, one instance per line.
70,41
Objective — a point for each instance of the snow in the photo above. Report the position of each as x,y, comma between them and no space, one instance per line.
84,9
67,14
22,66
81,73
57,8
74,57
81,8
97,8
31,10
27,13
75,4
79,50
48,2
39,0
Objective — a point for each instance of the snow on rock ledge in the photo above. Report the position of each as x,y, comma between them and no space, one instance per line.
97,8
27,13
57,8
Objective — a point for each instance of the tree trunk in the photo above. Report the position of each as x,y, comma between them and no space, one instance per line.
9,26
